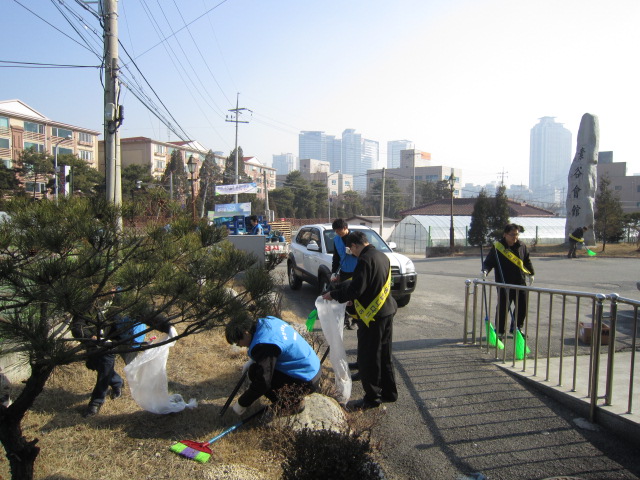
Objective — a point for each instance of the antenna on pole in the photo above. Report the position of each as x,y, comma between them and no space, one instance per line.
502,175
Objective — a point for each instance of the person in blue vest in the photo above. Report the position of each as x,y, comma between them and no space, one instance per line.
510,259
282,367
255,228
343,264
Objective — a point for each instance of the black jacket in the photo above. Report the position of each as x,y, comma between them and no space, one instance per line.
512,274
368,279
578,233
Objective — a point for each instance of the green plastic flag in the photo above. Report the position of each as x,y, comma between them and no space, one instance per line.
492,338
521,346
311,319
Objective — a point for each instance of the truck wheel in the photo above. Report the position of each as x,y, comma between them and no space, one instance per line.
324,283
403,301
294,282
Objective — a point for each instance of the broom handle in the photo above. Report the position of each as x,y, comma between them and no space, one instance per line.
233,394
237,425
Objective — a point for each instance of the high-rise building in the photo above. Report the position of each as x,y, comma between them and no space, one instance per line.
549,156
394,147
319,146
285,163
358,155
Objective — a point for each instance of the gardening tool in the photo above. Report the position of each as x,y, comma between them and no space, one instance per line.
492,338
201,451
591,253
233,394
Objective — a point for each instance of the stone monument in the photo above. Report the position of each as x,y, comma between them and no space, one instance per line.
583,179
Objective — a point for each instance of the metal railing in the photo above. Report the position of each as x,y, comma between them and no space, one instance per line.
577,328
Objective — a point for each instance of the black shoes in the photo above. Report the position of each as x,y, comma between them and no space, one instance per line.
91,410
354,365
116,392
361,405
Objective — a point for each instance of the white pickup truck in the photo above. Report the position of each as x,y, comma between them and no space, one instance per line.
311,254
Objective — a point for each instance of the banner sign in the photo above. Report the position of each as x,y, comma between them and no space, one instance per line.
231,210
237,188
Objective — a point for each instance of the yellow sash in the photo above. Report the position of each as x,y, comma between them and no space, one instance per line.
367,314
576,239
513,258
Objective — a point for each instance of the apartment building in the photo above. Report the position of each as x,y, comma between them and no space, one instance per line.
259,173
626,187
314,170
22,127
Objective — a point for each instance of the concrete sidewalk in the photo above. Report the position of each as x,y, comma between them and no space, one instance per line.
548,377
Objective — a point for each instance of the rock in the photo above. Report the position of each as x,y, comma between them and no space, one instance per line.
320,413
583,179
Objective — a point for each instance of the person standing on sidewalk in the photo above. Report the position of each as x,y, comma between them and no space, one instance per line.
510,259
370,292
343,264
575,238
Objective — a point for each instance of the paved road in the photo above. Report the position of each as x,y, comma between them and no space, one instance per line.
458,414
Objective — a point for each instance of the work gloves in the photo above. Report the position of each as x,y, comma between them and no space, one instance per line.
238,409
484,274
530,280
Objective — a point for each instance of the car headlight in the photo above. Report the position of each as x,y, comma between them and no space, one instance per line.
409,267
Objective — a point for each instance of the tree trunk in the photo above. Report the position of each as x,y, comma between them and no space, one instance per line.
21,453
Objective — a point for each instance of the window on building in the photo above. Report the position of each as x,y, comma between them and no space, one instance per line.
333,182
4,143
86,155
638,188
37,147
347,183
418,177
618,187
33,127
160,149
6,162
61,132
85,138
65,151
160,165
4,122
30,186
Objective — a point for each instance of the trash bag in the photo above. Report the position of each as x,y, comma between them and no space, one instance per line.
147,378
331,315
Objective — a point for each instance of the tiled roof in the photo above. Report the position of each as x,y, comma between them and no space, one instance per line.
464,206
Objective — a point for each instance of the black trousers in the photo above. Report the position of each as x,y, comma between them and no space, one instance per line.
573,246
278,393
104,365
504,303
374,360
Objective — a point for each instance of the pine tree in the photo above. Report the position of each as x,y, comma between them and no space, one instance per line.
479,228
58,262
609,217
498,213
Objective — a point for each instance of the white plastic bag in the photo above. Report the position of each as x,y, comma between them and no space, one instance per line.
147,378
331,315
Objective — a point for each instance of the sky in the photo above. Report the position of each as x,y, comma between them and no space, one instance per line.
465,80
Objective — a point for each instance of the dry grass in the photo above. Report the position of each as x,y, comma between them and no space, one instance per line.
630,250
125,442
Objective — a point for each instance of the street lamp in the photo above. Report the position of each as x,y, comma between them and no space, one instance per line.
191,165
55,164
452,181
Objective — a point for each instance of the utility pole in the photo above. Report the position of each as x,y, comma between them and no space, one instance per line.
266,196
414,179
113,113
234,119
382,202
502,175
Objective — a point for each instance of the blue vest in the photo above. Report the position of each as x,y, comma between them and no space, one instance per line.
297,359
257,230
347,262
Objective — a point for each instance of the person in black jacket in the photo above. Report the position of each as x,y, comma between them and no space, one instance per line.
576,238
370,293
510,259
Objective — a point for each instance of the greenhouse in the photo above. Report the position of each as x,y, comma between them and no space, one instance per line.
416,233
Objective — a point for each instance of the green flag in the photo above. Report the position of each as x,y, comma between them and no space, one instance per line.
311,320
492,338
521,346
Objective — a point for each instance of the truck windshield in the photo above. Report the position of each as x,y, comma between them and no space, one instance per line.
373,238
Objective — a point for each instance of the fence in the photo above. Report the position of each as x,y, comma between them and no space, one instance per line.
564,335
